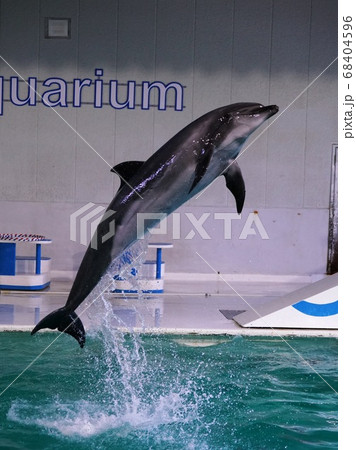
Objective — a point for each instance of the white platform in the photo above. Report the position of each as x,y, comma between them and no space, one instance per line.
314,307
24,272
25,281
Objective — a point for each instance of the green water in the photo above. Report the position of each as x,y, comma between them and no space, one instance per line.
168,392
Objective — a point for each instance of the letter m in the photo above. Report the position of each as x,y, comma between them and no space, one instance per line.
162,94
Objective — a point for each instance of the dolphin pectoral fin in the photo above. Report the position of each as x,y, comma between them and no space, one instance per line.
235,183
202,164
67,322
127,170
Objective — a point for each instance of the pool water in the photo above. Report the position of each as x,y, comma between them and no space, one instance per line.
131,391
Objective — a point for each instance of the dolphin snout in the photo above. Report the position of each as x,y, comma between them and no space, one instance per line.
273,108
270,110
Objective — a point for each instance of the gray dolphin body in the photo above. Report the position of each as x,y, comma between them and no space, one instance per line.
186,164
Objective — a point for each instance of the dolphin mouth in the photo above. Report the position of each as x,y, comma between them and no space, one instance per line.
256,111
270,110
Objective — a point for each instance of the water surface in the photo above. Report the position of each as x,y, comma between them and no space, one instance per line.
129,391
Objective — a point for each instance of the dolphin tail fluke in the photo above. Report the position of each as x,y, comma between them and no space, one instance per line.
67,322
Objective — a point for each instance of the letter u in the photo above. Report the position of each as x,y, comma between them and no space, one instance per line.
31,92
130,97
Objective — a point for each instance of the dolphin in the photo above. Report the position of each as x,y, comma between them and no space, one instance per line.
185,165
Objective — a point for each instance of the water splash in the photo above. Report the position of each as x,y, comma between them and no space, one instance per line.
83,419
125,391
140,394
125,266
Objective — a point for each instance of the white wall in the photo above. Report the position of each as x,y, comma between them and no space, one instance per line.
223,52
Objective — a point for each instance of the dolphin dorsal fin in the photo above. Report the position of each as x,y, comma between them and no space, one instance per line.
235,183
127,170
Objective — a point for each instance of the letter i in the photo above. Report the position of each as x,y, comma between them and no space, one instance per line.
176,225
98,89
